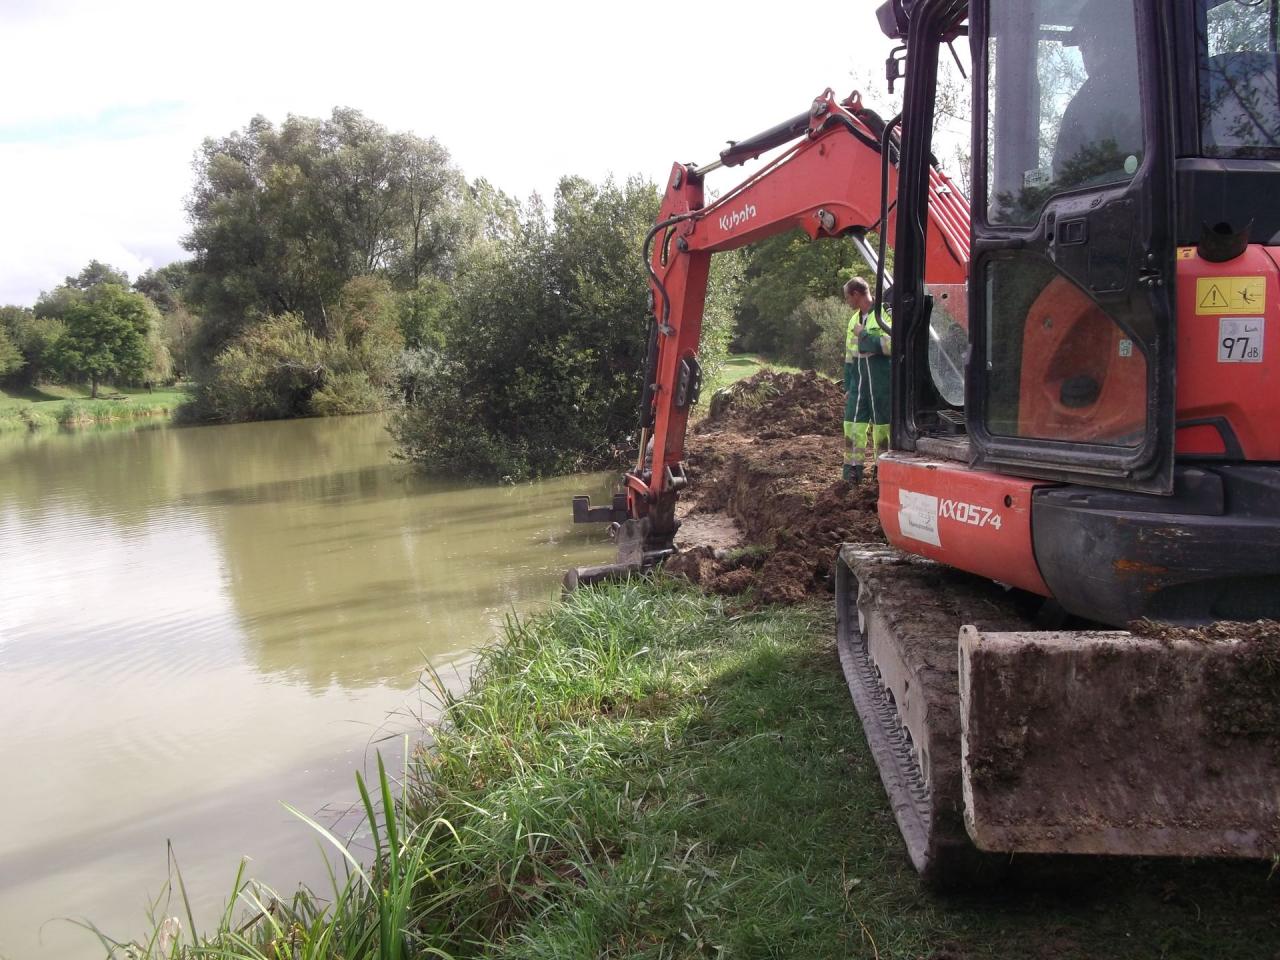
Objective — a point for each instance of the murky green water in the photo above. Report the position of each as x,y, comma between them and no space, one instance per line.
196,624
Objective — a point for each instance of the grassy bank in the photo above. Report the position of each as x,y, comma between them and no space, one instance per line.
647,772
56,405
739,366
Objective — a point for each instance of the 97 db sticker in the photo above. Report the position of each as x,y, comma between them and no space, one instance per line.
1240,339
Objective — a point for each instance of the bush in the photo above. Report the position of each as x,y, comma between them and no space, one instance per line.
544,342
347,392
830,318
269,372
278,368
429,429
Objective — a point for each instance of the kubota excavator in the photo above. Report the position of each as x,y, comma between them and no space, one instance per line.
1085,426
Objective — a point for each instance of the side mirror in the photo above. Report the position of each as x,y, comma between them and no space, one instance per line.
892,15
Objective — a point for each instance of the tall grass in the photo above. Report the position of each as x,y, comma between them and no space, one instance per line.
79,412
26,419
642,771
56,406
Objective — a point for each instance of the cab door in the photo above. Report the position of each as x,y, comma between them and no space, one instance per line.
1071,370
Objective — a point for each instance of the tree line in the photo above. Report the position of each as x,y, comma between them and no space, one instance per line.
339,267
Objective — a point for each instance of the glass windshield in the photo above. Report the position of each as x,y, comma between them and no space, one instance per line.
1239,109
1062,101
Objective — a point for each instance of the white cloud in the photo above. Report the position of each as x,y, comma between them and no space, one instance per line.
519,93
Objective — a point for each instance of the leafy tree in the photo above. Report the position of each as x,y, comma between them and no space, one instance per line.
431,194
270,371
830,317
366,340
96,272
107,336
280,368
55,304
163,286
34,338
10,356
180,332
545,340
422,313
283,217
781,273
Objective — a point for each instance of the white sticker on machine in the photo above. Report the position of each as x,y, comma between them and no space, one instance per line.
1240,339
918,516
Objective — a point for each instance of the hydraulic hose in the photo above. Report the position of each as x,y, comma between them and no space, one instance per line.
659,322
885,145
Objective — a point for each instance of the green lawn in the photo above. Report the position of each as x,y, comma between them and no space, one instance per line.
739,366
50,395
52,405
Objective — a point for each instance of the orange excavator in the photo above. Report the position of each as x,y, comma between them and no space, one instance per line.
1085,423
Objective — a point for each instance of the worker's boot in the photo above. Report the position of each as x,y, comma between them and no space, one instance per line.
858,469
847,474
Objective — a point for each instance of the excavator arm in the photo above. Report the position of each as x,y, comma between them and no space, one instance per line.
834,182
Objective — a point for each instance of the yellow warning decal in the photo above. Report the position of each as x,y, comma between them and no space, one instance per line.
1186,253
1217,295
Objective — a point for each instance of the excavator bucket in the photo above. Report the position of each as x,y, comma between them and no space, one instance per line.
1112,743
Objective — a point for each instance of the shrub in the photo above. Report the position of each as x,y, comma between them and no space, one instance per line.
269,372
830,318
346,392
544,342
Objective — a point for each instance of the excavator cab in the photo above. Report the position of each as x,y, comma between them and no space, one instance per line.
1118,302
1071,365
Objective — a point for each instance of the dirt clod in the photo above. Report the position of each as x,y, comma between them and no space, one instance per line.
769,457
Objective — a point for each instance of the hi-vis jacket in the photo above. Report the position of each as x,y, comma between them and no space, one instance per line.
874,340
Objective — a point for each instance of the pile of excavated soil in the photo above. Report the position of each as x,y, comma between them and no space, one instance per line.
769,458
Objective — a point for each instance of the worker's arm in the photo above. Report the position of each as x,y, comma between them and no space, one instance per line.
873,344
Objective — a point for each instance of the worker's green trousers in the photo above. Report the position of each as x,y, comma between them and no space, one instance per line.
866,409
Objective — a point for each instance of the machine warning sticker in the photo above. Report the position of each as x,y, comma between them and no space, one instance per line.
1186,253
1240,339
918,516
1218,295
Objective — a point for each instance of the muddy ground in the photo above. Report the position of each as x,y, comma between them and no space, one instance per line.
768,458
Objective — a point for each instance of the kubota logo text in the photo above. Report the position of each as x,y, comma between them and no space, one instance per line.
731,220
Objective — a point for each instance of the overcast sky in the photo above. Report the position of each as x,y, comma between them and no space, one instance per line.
105,103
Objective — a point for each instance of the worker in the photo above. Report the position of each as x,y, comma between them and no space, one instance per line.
866,379
1100,135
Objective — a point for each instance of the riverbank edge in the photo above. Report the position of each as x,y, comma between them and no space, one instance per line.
642,770
81,412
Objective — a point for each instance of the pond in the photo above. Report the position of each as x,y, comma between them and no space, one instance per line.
199,623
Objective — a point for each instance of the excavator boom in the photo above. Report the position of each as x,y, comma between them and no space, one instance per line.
833,183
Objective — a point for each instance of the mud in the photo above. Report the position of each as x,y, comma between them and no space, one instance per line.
1244,684
769,458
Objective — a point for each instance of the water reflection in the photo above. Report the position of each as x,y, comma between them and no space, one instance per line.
197,623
